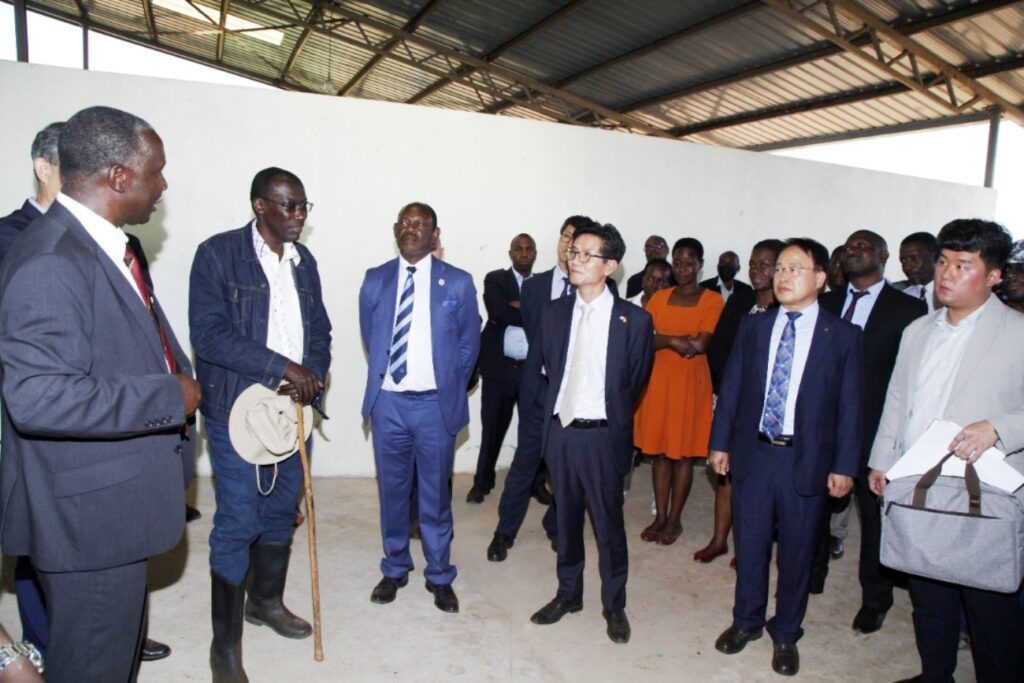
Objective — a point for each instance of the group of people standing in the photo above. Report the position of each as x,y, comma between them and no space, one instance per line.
780,389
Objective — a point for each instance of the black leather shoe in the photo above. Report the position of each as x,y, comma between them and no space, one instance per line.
541,495
475,495
733,640
919,678
497,551
817,587
836,547
444,597
152,650
386,590
868,620
786,659
618,626
555,610
191,514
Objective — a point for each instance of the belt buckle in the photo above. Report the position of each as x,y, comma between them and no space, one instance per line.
778,441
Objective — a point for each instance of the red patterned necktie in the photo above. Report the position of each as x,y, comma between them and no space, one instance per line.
140,282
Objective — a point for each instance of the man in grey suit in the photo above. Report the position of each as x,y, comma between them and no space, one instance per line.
96,398
963,364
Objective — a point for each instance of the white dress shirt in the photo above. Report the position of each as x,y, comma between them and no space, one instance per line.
558,280
939,362
929,293
111,239
419,356
590,405
514,342
285,334
804,331
864,305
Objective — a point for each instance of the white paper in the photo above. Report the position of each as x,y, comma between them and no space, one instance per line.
934,445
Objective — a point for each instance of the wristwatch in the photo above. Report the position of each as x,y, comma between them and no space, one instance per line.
11,651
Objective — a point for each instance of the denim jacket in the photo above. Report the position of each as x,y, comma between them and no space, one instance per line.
228,311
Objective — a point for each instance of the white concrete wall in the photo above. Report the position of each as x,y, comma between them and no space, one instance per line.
488,177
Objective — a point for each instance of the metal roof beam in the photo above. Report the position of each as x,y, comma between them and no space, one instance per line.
963,10
512,42
901,61
315,12
221,35
388,46
848,97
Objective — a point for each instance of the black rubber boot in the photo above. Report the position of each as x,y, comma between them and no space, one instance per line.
226,649
268,569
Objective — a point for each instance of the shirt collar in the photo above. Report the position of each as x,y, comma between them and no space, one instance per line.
602,303
423,265
968,323
262,248
873,289
109,237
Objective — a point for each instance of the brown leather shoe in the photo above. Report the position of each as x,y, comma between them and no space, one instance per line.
733,640
786,659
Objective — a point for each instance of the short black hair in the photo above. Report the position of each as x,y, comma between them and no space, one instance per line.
422,207
577,222
612,245
773,245
97,138
658,262
44,145
813,248
689,243
877,239
522,234
925,239
990,239
262,180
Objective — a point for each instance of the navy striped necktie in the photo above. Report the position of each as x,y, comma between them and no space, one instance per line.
403,324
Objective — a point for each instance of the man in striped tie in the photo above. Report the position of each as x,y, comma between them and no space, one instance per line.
788,427
421,328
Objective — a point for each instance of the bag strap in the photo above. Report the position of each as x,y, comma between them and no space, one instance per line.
971,480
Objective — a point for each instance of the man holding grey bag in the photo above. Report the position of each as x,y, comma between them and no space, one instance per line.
963,364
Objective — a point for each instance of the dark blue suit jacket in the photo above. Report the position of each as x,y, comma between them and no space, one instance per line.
14,223
829,404
500,288
454,327
628,365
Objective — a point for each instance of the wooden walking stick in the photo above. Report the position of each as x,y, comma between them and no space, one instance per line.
318,645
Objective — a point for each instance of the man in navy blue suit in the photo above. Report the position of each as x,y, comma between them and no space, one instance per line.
523,475
597,350
421,329
787,427
503,348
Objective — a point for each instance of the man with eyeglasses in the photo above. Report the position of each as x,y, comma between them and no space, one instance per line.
420,326
787,426
257,316
526,473
655,247
598,351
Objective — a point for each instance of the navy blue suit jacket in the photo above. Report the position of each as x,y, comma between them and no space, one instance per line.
627,367
500,289
14,223
454,327
829,405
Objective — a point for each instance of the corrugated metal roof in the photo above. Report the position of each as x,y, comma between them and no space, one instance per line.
733,72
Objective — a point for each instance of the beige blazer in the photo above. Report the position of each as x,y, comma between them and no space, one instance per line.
989,384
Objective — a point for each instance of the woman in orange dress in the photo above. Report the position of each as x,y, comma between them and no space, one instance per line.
672,425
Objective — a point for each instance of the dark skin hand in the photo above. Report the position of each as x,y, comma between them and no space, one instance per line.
193,394
301,384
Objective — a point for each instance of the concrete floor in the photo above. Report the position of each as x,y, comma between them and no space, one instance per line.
676,607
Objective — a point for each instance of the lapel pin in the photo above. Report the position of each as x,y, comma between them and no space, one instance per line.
440,282
623,318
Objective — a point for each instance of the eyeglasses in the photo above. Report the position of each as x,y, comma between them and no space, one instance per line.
583,256
565,236
792,270
655,246
291,207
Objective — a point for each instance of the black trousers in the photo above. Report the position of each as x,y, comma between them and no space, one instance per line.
994,620
96,624
497,403
581,463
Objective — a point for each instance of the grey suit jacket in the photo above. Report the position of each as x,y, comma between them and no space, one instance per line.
989,384
93,460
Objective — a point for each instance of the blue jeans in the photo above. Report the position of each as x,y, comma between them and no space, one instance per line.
244,516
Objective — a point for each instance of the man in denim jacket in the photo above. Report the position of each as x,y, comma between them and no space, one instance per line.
257,316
